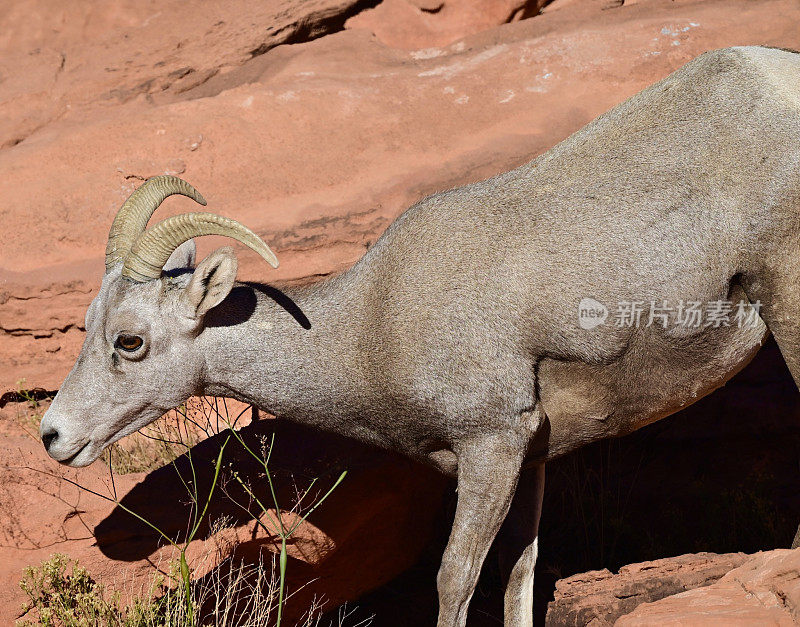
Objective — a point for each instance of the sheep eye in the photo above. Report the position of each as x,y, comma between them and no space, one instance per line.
128,342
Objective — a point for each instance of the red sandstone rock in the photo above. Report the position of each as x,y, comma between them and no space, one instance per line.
56,57
599,597
701,589
765,590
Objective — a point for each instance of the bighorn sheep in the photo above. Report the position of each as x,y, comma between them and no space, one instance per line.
456,339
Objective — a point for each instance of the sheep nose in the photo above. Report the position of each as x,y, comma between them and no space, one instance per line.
48,437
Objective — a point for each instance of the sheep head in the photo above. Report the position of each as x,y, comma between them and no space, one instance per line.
139,357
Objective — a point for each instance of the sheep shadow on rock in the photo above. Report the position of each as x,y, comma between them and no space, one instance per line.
374,525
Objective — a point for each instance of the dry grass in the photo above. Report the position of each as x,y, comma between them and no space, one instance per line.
169,437
159,443
61,593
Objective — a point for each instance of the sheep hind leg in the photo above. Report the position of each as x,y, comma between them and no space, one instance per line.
518,547
779,300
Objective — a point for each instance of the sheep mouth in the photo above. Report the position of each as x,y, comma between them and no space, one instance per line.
68,461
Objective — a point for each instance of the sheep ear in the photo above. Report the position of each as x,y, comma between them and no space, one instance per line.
211,283
184,256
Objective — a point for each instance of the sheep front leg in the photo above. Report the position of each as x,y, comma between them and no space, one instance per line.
488,469
518,547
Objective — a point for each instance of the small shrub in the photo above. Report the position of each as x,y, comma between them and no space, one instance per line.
61,593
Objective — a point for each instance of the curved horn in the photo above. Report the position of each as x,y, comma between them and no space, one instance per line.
151,251
132,217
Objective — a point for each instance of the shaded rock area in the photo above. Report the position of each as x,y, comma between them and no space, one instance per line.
425,25
381,519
